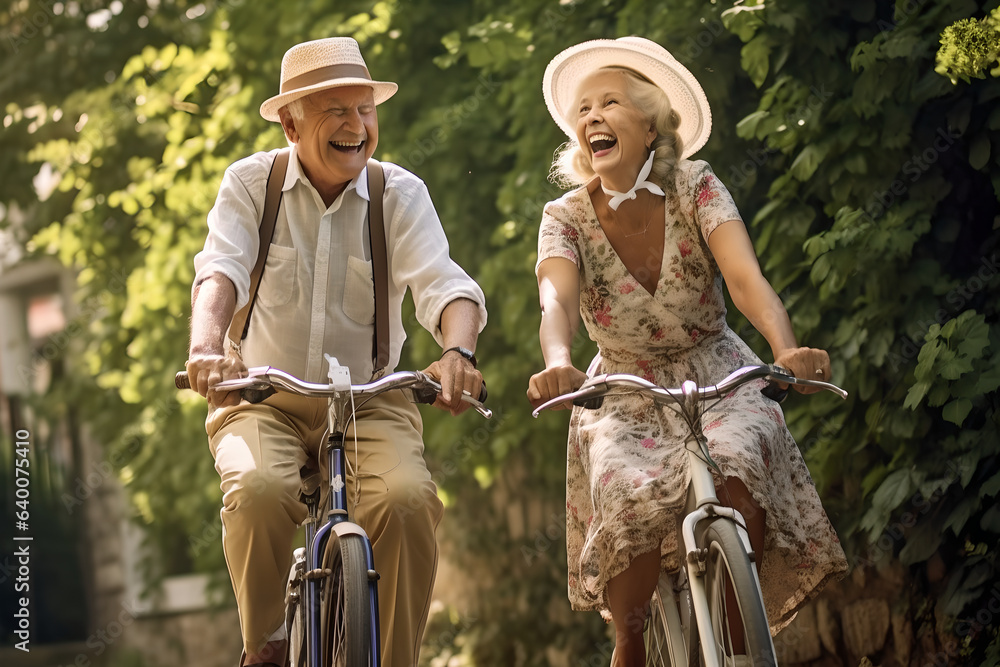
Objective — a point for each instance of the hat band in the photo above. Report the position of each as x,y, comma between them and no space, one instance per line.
323,74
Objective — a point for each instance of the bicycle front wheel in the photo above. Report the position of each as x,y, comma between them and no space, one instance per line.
667,630
346,604
739,622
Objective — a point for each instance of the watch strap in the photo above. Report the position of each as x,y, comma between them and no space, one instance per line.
468,354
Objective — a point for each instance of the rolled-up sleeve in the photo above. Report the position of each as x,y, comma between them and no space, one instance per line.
232,242
420,258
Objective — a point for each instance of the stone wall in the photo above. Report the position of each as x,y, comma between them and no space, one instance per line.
203,638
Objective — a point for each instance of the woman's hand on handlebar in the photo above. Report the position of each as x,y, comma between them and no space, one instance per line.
805,363
552,382
456,374
207,370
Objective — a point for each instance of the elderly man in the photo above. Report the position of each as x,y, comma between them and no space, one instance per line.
316,296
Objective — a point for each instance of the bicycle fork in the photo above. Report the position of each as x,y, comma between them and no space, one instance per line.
338,524
709,507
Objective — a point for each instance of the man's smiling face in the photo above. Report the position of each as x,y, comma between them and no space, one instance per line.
335,137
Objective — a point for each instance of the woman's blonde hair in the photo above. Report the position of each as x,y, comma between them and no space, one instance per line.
572,165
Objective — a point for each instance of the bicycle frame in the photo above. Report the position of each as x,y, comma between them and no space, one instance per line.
702,502
708,506
317,540
307,574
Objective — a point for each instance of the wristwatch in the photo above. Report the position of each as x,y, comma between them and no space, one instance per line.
464,352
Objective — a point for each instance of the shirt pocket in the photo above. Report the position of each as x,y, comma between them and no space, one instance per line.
359,291
277,284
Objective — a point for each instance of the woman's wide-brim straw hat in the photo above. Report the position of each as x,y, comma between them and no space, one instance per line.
333,62
567,70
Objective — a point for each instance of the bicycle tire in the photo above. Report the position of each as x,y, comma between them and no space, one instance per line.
727,561
346,603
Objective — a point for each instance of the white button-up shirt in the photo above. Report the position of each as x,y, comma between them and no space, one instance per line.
316,294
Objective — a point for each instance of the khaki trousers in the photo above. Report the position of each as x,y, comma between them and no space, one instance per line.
259,451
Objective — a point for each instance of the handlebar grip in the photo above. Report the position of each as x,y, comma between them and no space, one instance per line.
774,392
428,395
182,381
425,395
589,403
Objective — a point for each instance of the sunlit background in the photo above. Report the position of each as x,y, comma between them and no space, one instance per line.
859,139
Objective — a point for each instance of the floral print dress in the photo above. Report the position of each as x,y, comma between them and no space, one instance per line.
627,471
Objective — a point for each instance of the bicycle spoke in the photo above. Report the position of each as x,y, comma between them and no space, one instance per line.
721,614
337,633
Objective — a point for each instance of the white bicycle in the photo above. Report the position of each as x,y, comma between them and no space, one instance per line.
693,609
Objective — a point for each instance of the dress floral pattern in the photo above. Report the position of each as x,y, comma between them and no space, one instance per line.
626,467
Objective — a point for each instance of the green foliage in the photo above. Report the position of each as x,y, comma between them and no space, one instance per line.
869,183
879,226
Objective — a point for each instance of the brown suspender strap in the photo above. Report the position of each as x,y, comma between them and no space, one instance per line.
272,202
376,238
380,266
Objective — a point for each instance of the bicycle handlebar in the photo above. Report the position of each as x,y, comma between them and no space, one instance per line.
599,386
262,381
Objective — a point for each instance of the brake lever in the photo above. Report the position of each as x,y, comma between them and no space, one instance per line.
253,389
779,374
596,385
477,405
239,384
427,394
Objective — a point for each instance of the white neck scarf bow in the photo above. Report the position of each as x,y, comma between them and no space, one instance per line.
640,182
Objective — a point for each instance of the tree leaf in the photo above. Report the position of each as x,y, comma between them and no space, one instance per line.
979,152
991,487
921,543
755,57
957,411
960,515
916,394
896,487
808,161
991,519
747,127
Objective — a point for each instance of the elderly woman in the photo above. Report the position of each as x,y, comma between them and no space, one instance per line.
640,251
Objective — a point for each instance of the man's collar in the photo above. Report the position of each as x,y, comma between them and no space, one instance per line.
295,173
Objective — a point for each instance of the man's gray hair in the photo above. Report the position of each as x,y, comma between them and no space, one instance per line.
296,109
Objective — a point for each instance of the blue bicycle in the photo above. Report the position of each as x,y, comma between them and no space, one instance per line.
331,601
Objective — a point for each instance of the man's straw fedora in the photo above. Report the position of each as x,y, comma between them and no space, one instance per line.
320,64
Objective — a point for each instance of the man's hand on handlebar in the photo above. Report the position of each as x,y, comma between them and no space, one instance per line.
806,363
207,370
552,382
456,374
